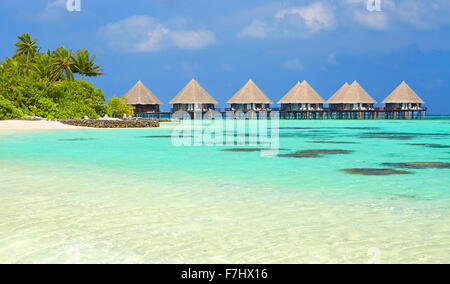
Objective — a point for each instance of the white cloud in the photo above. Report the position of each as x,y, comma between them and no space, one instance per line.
147,34
316,17
295,21
190,39
53,10
417,14
372,20
257,29
293,64
424,14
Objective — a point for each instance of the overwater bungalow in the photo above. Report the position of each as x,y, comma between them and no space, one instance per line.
143,100
193,99
352,102
250,98
404,102
302,101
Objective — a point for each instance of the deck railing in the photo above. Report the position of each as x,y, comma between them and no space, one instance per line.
352,109
246,110
303,110
406,109
172,110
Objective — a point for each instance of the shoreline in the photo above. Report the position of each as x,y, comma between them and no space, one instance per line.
11,126
32,125
8,126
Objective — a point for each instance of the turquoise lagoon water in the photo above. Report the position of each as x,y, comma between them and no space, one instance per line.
114,196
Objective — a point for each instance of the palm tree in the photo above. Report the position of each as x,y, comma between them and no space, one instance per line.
62,64
59,63
84,64
26,47
43,64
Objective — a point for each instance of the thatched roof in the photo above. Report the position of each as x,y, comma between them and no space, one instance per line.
250,94
354,94
302,93
337,97
193,93
403,94
141,95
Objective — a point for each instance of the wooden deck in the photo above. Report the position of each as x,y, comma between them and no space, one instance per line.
347,114
320,114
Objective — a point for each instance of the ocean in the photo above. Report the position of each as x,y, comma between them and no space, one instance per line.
334,192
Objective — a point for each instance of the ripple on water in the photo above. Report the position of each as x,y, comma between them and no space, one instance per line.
400,135
249,149
332,142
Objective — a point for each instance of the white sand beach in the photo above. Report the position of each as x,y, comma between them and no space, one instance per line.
8,126
29,125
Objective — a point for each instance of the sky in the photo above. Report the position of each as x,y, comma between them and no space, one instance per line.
224,43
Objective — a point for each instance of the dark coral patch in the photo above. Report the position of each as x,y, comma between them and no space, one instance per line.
315,153
328,152
419,165
390,136
375,172
300,154
439,146
436,146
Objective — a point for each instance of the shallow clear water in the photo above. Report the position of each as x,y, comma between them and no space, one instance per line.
113,196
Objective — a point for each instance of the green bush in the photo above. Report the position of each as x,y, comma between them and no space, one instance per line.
118,107
8,110
47,108
77,99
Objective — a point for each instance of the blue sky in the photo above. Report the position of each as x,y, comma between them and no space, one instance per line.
223,43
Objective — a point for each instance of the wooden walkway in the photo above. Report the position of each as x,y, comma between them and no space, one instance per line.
325,114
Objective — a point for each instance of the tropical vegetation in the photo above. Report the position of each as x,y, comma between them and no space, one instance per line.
51,84
118,107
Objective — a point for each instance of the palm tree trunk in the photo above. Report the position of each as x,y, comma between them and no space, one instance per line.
28,58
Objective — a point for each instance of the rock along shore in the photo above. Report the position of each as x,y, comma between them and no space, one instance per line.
111,123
